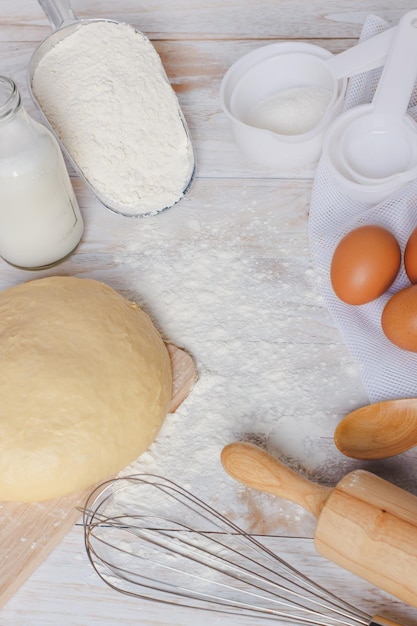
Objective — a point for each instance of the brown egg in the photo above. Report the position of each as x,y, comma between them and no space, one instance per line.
399,319
410,257
365,264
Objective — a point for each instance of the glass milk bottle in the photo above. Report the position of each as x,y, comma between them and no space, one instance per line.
40,222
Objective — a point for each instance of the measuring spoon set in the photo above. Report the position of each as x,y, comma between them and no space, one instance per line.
372,148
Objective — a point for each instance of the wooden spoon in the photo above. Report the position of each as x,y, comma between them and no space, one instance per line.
378,431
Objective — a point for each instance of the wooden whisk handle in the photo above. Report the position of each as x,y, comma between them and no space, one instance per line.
378,620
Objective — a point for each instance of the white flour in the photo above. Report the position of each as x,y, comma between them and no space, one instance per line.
105,93
250,317
291,111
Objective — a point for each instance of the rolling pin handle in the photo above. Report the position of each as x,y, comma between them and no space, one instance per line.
254,467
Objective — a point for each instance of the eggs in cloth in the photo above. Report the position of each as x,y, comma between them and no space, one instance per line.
364,265
410,257
399,319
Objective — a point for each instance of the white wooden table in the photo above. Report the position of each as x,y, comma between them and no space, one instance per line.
226,274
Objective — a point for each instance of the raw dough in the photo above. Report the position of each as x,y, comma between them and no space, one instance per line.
85,384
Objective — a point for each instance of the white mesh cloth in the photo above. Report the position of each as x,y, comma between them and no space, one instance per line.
387,372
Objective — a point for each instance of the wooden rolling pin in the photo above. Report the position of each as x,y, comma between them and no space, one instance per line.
364,524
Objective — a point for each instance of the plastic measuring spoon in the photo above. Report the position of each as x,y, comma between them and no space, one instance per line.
65,22
364,56
378,144
378,431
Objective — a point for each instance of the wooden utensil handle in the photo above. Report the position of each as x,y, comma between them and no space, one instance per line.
378,620
254,467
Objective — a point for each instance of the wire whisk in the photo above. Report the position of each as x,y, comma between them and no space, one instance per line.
147,537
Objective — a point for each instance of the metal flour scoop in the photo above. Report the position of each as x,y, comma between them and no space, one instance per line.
372,148
63,19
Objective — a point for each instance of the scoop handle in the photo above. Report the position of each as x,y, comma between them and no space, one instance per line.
58,12
365,56
254,467
396,83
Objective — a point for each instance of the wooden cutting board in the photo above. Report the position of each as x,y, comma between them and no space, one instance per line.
30,531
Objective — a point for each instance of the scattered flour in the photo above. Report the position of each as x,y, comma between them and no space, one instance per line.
117,116
266,374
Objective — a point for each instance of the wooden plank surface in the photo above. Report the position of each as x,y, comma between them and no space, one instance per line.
233,255
209,19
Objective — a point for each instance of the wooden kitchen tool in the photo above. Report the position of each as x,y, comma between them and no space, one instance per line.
379,430
30,531
364,524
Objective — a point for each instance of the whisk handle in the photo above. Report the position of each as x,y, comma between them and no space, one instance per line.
378,620
254,467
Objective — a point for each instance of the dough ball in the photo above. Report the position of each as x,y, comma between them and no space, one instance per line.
85,384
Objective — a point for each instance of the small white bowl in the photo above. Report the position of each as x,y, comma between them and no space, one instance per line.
260,75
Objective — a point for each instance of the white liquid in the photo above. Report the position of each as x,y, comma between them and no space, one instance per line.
40,222
291,111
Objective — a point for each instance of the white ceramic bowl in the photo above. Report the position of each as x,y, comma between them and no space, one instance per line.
264,72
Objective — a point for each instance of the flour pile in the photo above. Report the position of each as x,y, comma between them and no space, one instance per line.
105,93
291,111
